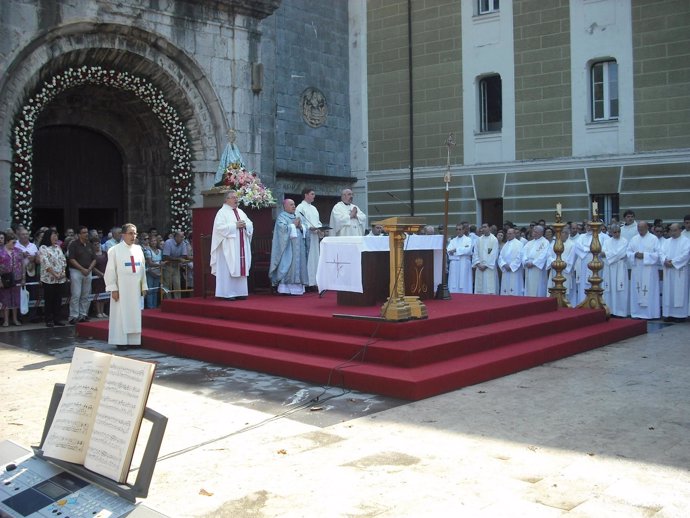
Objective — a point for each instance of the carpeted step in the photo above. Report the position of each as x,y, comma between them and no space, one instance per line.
428,380
318,314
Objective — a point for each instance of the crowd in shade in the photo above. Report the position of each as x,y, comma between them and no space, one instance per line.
645,264
64,273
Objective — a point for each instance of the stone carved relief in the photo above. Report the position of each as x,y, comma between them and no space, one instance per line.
314,107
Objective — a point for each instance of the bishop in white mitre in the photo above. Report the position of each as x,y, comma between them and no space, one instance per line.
510,263
484,259
643,256
615,274
460,262
535,255
674,256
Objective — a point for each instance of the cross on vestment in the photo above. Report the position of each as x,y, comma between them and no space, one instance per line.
644,290
638,287
132,263
620,285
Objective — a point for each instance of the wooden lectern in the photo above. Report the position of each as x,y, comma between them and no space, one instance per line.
398,307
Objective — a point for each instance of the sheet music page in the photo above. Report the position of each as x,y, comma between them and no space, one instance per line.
70,431
118,417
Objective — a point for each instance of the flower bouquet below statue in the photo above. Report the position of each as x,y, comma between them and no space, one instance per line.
250,191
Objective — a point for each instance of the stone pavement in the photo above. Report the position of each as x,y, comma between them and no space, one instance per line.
602,434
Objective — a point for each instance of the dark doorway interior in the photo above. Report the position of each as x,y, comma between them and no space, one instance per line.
77,177
492,211
49,217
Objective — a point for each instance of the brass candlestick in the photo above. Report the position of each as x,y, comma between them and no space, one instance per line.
594,294
558,291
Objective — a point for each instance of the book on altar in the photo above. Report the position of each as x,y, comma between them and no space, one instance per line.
99,415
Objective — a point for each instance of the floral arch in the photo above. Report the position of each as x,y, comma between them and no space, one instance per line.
181,181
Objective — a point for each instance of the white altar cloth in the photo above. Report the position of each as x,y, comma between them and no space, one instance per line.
340,260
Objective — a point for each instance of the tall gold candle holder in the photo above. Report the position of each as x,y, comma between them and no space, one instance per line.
594,294
558,290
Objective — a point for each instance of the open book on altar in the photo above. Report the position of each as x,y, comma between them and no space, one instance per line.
98,419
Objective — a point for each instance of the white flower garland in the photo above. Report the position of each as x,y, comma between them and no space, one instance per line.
181,182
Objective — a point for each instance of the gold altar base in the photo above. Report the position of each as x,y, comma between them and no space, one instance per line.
417,307
396,310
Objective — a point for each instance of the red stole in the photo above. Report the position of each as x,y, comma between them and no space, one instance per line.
243,269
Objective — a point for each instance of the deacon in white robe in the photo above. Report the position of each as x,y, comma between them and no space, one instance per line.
576,267
643,256
288,270
231,254
309,216
346,218
460,263
125,279
675,254
484,259
510,263
534,258
616,283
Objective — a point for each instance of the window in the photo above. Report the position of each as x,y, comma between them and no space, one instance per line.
491,114
604,91
488,6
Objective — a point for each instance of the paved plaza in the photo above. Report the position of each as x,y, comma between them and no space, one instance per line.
602,434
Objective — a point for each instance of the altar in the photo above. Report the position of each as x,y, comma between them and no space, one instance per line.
357,267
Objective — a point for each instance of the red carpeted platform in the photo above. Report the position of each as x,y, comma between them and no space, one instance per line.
466,340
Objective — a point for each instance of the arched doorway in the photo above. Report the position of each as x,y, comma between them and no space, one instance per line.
78,179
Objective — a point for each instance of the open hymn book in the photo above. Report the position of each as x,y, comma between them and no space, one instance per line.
98,419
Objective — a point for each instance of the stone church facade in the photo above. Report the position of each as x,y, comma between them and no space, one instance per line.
120,111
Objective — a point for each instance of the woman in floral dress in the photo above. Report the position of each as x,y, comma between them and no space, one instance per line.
11,260
53,276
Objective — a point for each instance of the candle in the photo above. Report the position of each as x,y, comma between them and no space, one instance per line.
595,208
558,209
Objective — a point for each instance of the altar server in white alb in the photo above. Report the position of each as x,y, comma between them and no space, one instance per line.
643,256
460,261
125,279
309,215
535,255
510,263
484,258
231,254
675,254
615,273
346,218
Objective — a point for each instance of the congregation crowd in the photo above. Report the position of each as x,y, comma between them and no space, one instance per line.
52,268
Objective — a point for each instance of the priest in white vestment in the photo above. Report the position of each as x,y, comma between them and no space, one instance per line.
288,270
643,256
484,259
615,273
125,279
231,254
510,263
460,262
309,216
535,255
674,256
346,218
